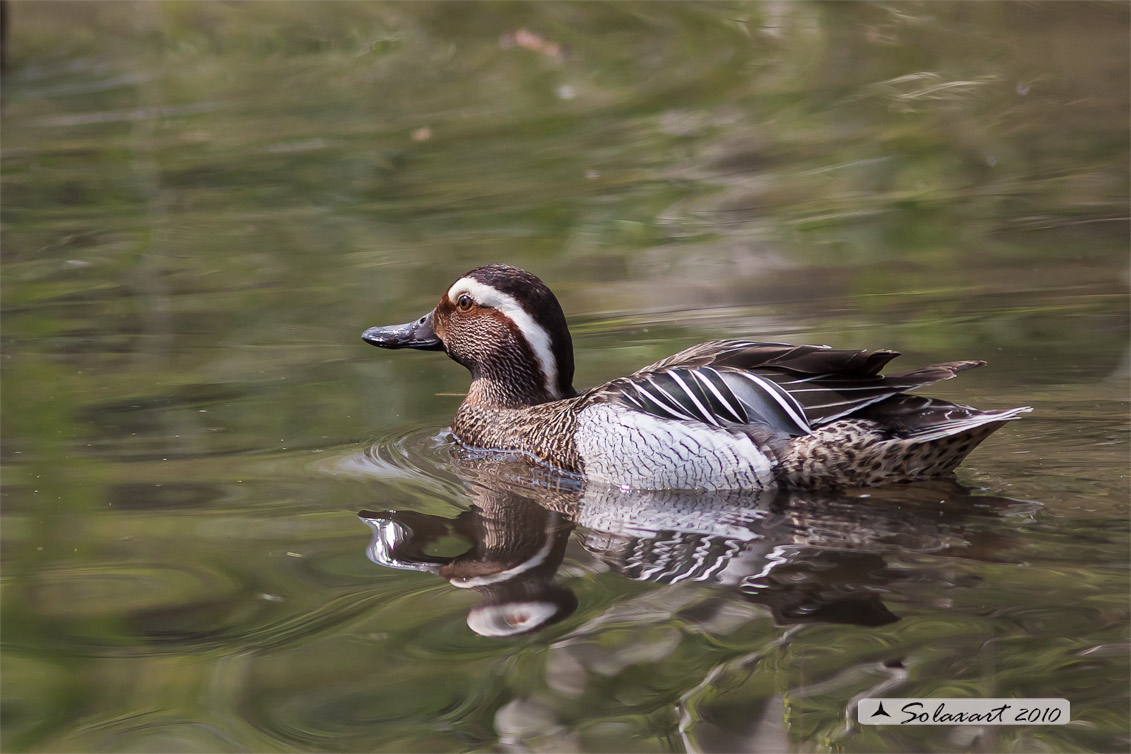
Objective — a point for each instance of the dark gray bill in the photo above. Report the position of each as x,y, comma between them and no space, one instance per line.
418,334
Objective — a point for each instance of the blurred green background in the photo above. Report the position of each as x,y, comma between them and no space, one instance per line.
205,203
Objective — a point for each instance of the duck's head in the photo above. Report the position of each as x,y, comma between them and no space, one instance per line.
505,326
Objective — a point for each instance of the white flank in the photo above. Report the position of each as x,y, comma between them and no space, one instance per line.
535,334
621,446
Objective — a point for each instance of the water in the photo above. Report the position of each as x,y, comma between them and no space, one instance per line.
205,204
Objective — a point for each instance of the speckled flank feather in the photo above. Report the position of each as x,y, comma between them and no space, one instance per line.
863,453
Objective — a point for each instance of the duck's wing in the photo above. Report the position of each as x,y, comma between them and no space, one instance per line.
790,388
749,354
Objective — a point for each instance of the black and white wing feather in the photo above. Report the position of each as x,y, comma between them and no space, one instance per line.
713,396
789,388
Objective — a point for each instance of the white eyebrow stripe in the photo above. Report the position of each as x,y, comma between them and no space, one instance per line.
535,334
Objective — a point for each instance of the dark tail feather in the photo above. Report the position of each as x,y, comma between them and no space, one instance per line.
936,372
810,360
921,419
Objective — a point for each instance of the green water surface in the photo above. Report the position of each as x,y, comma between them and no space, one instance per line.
204,204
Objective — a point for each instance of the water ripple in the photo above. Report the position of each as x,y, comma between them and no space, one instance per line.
406,456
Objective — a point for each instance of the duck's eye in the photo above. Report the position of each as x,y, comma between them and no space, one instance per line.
464,303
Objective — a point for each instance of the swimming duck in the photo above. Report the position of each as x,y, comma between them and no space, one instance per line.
726,414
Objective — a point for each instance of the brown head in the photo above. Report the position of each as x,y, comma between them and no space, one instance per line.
506,327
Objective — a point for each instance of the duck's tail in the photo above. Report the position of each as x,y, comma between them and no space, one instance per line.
905,438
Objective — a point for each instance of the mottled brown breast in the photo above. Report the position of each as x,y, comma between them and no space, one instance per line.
544,433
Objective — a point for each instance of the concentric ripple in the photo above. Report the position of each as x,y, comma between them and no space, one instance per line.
418,458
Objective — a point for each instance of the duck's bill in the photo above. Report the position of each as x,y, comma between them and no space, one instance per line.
418,334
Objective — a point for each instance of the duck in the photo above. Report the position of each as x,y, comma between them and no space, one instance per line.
721,415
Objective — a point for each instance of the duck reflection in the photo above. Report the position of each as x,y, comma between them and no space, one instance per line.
806,556
516,549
